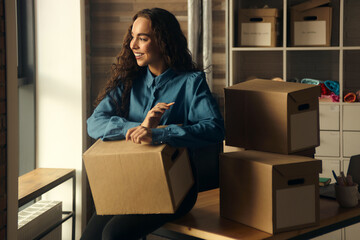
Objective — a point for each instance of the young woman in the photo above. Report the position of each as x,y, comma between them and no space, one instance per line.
154,82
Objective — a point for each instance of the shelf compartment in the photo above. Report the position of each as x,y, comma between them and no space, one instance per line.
351,71
351,23
320,65
258,64
335,21
245,4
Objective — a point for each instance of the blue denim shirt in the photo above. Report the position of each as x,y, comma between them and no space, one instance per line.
195,110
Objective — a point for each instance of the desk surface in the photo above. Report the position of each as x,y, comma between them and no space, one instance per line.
204,221
40,180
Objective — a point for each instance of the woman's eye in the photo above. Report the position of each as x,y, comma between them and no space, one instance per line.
143,39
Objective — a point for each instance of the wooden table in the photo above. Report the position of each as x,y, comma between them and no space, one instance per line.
37,182
204,222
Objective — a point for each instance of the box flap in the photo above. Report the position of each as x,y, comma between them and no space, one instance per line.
259,12
263,85
309,4
122,146
313,91
299,168
273,159
169,155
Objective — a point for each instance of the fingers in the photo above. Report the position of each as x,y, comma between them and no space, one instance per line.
129,132
163,106
139,134
136,135
159,109
153,117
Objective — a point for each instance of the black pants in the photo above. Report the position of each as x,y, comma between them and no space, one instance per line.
134,226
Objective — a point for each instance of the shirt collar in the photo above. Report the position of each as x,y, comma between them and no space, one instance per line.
160,80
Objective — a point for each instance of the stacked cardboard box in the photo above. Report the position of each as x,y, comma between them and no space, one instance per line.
258,27
279,117
270,188
311,23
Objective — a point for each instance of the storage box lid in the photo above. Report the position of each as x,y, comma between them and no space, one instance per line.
309,4
286,165
300,95
299,168
295,90
106,148
259,12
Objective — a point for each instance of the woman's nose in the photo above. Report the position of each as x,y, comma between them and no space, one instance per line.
133,44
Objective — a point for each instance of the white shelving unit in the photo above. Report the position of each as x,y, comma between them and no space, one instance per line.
339,121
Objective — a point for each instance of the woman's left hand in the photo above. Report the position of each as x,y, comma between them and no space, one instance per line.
139,134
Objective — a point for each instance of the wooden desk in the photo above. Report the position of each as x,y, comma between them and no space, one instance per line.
37,182
204,222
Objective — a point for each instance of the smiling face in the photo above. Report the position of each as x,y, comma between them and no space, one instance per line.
144,47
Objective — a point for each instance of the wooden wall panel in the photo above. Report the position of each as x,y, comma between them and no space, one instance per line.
219,58
3,127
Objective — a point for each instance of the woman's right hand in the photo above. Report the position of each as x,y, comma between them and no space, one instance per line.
153,117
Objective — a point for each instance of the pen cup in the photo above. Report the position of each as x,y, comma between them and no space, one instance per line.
347,196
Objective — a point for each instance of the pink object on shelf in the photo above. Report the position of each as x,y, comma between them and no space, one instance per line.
334,97
325,98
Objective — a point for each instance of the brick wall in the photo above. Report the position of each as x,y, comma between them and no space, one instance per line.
3,154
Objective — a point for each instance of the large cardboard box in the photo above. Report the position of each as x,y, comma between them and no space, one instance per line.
268,191
311,24
271,116
258,27
129,178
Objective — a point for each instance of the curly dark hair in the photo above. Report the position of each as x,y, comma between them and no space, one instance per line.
168,36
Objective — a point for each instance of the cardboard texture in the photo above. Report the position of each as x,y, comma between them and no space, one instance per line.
129,178
268,191
271,116
227,148
311,24
258,27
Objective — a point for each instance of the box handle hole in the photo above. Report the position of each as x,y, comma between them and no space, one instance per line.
303,107
310,18
175,155
297,181
256,19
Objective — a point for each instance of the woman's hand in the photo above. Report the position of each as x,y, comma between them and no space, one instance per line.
139,134
153,117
